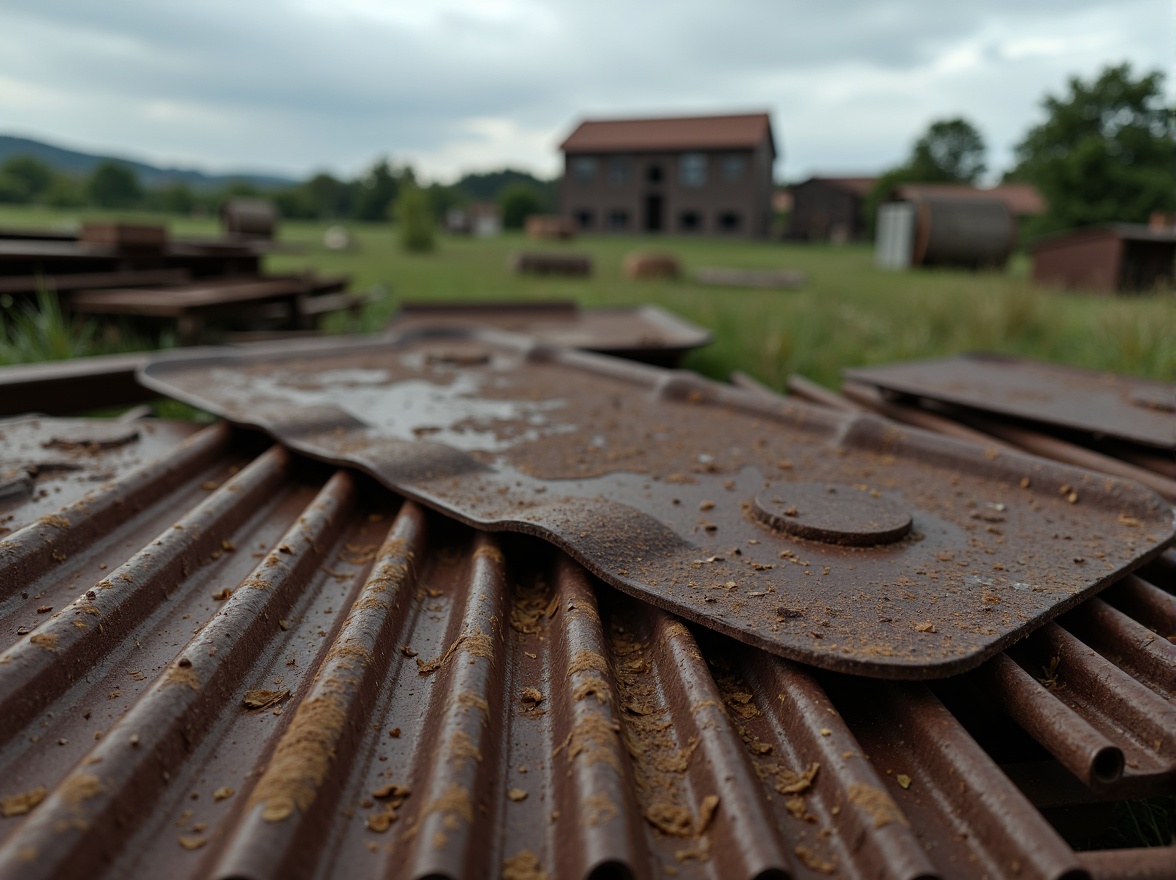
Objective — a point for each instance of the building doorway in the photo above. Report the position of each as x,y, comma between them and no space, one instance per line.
653,213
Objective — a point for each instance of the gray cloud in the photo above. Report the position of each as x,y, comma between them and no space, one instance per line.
298,84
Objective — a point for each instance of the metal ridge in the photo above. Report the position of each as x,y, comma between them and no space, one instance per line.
272,669
835,539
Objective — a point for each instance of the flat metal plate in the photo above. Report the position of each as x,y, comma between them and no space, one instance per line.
650,478
1104,404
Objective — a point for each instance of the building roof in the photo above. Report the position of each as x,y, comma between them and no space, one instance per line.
1021,198
858,186
1123,231
742,131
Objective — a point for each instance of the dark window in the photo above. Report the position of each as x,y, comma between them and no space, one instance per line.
618,220
619,171
653,174
584,168
732,168
689,221
730,221
583,218
692,169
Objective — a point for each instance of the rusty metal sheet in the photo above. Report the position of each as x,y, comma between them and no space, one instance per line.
720,504
286,672
643,333
1112,405
70,386
47,463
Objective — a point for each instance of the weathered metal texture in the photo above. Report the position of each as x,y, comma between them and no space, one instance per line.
262,669
46,464
644,333
65,387
673,488
1136,410
963,231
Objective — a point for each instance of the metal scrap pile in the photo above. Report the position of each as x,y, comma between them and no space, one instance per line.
460,604
140,273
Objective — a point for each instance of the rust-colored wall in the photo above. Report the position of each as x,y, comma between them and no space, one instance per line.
819,209
1088,262
749,197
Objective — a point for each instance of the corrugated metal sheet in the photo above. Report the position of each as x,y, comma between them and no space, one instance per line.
842,541
252,666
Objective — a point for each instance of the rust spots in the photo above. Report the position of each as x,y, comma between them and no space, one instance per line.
925,627
55,520
594,737
813,861
461,747
345,651
221,595
672,819
191,841
585,661
394,797
467,700
878,804
222,794
706,812
19,804
80,787
475,644
598,809
302,759
185,676
262,699
530,607
523,866
454,803
490,552
903,780
531,696
789,782
593,686
516,795
44,640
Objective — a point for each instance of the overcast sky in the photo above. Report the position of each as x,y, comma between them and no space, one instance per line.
294,86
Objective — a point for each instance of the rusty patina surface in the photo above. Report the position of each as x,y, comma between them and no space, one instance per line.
1112,405
672,488
265,668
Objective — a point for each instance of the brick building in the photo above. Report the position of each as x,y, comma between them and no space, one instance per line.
701,175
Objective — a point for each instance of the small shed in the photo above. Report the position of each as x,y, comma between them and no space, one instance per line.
944,231
1112,258
829,209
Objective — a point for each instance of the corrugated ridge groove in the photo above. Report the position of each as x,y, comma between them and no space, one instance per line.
85,820
1147,603
458,794
33,550
676,788
1126,642
36,670
1084,751
1152,863
954,784
742,838
1112,702
592,784
804,728
288,812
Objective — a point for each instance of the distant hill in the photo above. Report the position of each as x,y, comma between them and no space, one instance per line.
150,176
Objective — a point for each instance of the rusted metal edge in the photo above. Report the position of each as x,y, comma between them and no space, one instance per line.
587,517
1098,403
337,684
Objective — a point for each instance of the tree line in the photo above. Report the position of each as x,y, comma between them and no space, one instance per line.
369,197
1104,153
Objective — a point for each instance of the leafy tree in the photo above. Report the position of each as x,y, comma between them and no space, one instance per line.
1104,152
951,151
113,185
517,202
414,221
331,197
177,199
24,179
376,193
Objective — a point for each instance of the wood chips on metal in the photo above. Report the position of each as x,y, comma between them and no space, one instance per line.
838,540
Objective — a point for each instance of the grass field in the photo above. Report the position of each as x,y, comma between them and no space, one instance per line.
848,314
